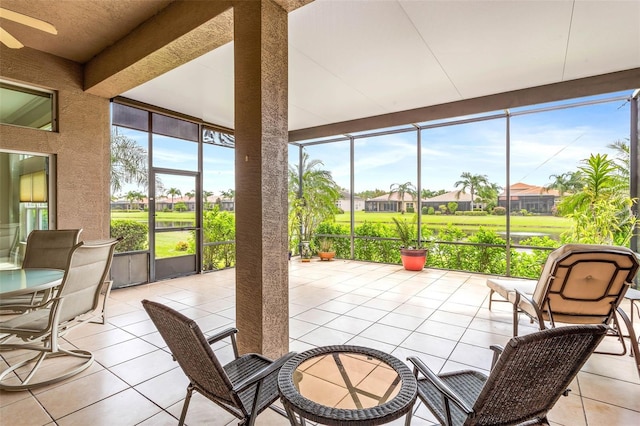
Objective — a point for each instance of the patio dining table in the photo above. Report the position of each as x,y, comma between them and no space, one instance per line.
15,282
346,385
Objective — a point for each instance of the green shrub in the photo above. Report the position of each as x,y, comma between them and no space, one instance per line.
134,235
180,207
217,227
182,246
431,211
425,210
472,213
499,211
452,207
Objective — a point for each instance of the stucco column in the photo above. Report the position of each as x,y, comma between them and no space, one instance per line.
261,136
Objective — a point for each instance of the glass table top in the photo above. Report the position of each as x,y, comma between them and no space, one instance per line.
346,380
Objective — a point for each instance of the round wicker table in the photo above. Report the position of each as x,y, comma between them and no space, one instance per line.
346,385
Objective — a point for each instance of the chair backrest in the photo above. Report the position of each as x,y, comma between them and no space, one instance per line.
533,372
192,351
50,248
585,280
86,270
8,238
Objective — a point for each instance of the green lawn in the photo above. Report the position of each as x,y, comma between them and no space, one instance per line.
529,224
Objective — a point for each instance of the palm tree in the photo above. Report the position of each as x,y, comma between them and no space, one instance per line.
565,182
312,200
601,211
229,195
623,158
473,183
173,192
401,190
205,199
190,195
134,196
128,162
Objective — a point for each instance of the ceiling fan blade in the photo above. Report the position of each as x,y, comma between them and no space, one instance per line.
9,40
28,21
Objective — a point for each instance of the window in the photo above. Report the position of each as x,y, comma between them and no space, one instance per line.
27,107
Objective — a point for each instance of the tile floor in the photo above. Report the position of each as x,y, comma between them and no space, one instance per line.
440,316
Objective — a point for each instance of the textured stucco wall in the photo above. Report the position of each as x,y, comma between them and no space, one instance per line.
262,276
81,143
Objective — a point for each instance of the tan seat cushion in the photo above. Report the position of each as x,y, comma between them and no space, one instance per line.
504,287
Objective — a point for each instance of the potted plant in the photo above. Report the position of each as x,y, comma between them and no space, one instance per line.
305,252
325,250
413,257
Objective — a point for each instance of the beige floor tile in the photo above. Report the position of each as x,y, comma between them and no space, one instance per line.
124,408
323,336
369,314
441,329
386,333
568,411
599,413
349,324
76,394
23,412
316,316
165,389
451,318
144,367
431,345
483,339
122,352
203,412
472,356
299,328
606,390
396,319
102,340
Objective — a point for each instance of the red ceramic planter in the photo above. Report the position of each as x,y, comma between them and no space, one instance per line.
413,259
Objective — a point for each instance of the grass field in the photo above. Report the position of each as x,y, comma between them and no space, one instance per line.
166,242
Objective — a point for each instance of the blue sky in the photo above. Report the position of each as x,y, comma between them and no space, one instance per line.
542,144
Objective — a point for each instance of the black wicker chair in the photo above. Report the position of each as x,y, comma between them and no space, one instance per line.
244,387
527,378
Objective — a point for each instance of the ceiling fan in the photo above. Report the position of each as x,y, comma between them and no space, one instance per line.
9,40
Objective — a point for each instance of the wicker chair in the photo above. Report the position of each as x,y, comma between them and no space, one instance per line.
244,387
527,378
45,249
580,284
76,301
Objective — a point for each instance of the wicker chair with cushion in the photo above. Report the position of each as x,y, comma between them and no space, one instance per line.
527,378
244,387
75,302
580,284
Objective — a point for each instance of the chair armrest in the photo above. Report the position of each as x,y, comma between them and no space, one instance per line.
262,374
497,351
229,332
439,384
520,295
221,335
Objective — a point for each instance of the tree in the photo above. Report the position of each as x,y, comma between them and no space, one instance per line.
622,160
312,200
566,182
428,193
229,194
173,192
371,193
128,162
190,195
601,212
471,182
488,195
134,196
401,190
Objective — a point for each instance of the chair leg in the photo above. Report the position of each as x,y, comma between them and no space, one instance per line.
186,405
635,351
490,297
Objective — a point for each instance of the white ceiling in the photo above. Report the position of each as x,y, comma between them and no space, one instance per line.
353,58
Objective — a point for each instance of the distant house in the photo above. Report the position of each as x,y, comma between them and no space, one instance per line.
534,199
463,200
386,203
344,202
